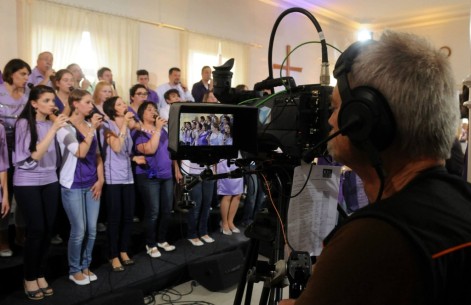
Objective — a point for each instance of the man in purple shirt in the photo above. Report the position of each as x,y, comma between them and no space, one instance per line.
42,73
143,79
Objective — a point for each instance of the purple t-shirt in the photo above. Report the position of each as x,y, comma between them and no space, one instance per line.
28,171
160,161
117,165
9,111
153,96
85,174
4,162
36,77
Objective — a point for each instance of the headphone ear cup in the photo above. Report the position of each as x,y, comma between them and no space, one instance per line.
376,122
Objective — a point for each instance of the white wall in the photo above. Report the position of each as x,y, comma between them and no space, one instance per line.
246,21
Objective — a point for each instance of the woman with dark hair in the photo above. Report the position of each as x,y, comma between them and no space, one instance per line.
35,184
63,84
203,137
154,177
119,191
13,97
81,179
137,94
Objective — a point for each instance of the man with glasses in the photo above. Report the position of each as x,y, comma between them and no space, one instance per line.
143,79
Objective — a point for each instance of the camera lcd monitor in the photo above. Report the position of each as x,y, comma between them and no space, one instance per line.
207,132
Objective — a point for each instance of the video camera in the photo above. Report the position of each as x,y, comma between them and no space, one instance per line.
294,120
282,128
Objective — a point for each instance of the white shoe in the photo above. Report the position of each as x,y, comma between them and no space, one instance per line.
56,240
235,230
197,243
207,239
153,252
100,227
166,246
92,277
6,253
228,232
85,281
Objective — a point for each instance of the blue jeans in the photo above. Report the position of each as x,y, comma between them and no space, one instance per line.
82,211
157,195
202,195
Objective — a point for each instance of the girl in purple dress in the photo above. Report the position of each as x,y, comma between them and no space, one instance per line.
231,191
81,179
35,184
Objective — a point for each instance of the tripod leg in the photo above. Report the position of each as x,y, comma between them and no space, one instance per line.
265,296
252,256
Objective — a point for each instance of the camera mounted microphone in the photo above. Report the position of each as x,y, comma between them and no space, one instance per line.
186,203
354,122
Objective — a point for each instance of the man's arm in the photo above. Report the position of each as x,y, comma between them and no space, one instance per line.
367,262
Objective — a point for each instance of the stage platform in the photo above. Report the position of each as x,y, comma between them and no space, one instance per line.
146,276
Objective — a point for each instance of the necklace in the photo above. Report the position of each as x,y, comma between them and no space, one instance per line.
151,131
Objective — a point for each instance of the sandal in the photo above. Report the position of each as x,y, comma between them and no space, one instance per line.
35,295
47,291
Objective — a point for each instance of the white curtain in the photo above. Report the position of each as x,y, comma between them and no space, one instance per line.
90,39
199,50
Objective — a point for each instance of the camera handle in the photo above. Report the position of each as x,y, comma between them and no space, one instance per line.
207,174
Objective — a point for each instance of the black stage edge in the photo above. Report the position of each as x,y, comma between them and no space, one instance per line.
146,276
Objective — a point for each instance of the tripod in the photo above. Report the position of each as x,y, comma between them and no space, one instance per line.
267,228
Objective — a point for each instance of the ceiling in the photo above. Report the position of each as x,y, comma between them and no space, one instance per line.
380,14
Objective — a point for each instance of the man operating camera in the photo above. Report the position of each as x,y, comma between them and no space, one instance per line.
395,105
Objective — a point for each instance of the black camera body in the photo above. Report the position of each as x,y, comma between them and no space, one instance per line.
294,120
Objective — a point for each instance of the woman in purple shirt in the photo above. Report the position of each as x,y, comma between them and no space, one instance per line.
35,184
13,97
120,196
154,177
81,179
4,165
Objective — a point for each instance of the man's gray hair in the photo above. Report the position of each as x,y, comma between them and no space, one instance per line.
417,81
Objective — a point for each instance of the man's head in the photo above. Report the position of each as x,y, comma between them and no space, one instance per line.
104,74
174,76
206,73
143,77
44,62
172,96
76,72
419,106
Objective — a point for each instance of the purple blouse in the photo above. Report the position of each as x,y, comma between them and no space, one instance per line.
153,97
10,109
159,162
36,77
117,165
4,162
30,172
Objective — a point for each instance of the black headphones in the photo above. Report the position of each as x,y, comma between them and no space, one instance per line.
365,114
